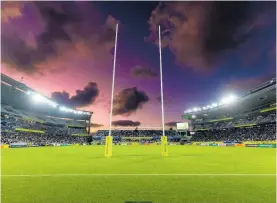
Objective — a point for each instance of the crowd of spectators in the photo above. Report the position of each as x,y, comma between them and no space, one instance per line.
265,129
248,120
11,132
29,124
264,132
40,139
136,133
76,130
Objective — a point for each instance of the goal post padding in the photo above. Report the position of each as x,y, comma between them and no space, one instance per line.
108,146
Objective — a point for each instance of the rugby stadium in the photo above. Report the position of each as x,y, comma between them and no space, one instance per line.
222,152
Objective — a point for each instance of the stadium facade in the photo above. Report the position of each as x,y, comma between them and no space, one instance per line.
255,111
23,102
259,100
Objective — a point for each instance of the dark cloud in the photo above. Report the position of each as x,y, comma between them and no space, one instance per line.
128,101
96,125
125,123
47,41
62,98
143,72
15,52
65,25
80,99
171,124
198,33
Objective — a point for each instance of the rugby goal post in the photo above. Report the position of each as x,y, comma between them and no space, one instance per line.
109,139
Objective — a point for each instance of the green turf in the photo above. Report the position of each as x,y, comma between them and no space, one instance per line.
138,160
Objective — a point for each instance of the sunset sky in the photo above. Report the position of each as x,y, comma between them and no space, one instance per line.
64,50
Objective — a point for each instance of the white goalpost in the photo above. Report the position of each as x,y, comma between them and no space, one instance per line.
164,144
109,138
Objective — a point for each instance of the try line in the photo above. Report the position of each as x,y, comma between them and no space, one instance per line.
127,174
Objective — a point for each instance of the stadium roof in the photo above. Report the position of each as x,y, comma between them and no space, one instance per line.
256,98
17,95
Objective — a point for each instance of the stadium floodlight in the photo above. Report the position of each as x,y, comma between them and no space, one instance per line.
65,109
70,110
41,99
195,109
214,105
37,98
53,104
62,108
229,99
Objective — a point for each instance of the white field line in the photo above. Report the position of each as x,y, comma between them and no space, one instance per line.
149,174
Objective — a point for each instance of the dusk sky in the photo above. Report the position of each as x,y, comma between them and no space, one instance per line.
64,50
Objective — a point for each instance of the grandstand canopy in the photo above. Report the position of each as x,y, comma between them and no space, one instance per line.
260,97
15,95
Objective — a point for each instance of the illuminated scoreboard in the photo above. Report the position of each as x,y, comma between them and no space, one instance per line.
182,131
182,126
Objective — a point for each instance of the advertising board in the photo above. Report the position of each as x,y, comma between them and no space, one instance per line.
267,145
251,145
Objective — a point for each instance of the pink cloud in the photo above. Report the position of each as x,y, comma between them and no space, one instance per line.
11,10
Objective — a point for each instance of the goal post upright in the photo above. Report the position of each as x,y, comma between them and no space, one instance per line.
164,144
109,138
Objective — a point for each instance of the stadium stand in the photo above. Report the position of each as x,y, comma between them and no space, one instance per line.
265,132
139,135
30,118
251,117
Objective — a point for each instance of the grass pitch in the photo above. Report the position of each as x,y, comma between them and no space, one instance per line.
83,175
